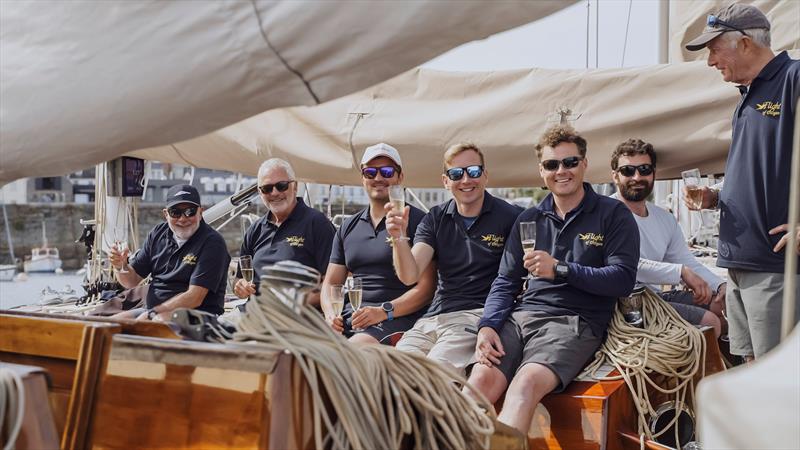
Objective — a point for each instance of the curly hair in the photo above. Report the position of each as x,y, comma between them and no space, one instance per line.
632,147
556,135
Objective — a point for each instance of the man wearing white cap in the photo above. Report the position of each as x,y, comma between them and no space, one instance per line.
363,248
754,203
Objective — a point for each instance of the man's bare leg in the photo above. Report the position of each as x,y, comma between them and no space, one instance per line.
531,383
489,381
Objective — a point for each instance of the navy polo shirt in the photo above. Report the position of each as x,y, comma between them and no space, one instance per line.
755,195
305,236
467,258
201,261
599,241
367,254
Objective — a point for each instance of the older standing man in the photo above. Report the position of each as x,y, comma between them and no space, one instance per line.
363,247
754,200
186,258
289,231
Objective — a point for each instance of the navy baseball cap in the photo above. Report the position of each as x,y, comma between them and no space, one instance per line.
734,17
182,193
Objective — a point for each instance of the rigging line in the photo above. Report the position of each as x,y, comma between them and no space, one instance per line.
627,27
588,11
274,50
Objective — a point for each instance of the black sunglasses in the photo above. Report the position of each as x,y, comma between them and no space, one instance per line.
281,186
385,171
715,22
457,173
643,169
185,212
568,163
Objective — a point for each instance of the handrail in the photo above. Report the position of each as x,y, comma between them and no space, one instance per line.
790,269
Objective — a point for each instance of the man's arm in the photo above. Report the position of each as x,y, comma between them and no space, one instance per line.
129,279
409,263
335,274
658,272
192,298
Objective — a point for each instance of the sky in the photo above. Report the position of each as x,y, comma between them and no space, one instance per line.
559,40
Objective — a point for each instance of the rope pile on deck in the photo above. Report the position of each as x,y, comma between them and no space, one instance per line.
379,396
667,346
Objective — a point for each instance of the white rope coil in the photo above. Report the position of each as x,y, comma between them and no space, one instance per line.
12,406
667,346
378,395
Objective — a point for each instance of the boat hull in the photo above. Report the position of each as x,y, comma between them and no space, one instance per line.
47,264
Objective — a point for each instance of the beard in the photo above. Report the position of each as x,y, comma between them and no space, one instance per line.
184,233
633,195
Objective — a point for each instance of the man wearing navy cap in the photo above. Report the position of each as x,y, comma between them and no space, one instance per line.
186,259
754,202
363,247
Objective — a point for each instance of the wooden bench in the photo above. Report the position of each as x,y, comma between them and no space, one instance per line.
38,430
74,354
599,414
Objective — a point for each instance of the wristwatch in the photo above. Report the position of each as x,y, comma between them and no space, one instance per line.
562,270
151,313
388,308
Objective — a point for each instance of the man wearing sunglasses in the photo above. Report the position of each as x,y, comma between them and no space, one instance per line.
363,248
754,201
289,231
186,259
536,340
466,236
664,257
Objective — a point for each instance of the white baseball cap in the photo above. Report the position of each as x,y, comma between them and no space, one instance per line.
381,149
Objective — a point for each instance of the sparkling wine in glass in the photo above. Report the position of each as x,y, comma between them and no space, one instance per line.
354,291
692,180
397,197
527,234
246,267
336,299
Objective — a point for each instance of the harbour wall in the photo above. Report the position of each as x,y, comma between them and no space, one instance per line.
63,226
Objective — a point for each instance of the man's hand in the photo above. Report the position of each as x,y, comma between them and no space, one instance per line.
118,258
396,221
709,197
489,349
782,243
698,286
368,316
540,264
337,323
718,302
243,289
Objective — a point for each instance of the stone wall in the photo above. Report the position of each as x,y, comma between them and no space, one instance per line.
63,229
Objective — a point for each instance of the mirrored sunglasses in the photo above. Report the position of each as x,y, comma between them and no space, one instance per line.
281,186
185,212
457,173
643,169
385,171
568,163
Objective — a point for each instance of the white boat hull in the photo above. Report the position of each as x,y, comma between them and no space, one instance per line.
7,272
44,264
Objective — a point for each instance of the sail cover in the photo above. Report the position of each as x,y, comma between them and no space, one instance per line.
83,82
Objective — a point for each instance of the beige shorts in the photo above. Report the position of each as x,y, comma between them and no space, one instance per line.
448,338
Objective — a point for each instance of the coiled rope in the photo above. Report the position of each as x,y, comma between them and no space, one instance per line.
378,395
667,345
12,406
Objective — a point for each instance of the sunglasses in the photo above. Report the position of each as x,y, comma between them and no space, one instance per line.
281,186
715,22
568,163
185,212
457,173
643,169
385,171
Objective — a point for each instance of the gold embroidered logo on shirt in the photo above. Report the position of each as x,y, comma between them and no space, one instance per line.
771,109
592,239
190,259
295,241
493,240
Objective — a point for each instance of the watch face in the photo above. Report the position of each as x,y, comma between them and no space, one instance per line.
387,306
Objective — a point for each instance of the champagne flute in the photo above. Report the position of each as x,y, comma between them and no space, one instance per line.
246,267
336,299
354,290
121,244
691,179
527,234
397,197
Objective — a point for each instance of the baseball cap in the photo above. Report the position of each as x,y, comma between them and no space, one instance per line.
735,17
182,193
381,149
